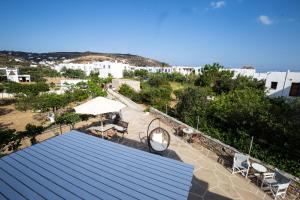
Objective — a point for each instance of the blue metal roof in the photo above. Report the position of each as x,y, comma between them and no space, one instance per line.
79,166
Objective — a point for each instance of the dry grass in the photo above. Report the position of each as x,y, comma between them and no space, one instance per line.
176,86
14,119
55,80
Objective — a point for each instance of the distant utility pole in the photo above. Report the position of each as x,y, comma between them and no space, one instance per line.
250,145
286,74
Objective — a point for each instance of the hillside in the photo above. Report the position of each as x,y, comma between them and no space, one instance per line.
18,58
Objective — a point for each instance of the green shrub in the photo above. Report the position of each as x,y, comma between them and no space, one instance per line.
235,116
73,73
37,74
31,89
33,130
127,91
142,73
158,79
128,74
68,118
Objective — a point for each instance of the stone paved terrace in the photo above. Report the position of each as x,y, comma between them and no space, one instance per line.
211,179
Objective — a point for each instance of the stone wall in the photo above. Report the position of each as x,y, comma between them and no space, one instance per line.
225,153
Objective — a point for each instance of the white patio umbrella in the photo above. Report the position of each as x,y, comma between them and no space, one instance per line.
99,106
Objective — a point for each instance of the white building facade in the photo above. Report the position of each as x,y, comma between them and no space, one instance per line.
104,68
283,83
277,84
185,70
116,69
12,74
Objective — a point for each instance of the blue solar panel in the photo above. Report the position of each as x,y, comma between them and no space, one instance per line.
79,166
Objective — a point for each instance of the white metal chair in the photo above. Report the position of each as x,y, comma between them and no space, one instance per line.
241,164
276,182
51,117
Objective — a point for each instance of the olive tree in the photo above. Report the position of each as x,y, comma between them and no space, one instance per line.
68,118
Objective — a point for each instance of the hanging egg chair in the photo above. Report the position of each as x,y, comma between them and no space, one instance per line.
158,139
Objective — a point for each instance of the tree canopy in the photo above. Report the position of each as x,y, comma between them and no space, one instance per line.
37,74
31,89
215,77
68,118
73,73
234,109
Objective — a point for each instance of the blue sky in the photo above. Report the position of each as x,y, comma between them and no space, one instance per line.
264,34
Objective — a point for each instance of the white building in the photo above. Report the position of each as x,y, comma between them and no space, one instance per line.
243,72
180,69
104,68
155,69
12,74
186,70
277,83
116,69
283,83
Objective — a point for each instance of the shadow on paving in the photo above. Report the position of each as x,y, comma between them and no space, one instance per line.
5,126
5,111
6,102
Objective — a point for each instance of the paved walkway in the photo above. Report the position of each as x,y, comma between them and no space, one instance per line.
211,179
125,100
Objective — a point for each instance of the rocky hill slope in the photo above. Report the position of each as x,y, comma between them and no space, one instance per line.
13,58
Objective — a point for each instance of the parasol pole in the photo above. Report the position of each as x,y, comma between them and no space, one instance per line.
102,126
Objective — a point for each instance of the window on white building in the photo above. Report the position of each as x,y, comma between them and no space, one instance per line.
108,66
274,85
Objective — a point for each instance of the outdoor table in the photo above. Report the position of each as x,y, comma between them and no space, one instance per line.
259,169
188,132
76,165
102,129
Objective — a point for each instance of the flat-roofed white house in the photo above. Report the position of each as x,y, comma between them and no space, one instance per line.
185,70
104,68
243,71
285,84
179,69
115,69
155,69
12,74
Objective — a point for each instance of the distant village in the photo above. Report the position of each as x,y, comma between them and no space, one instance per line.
276,83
